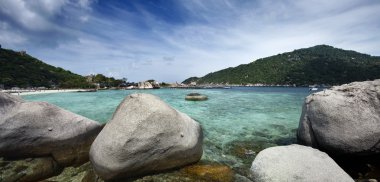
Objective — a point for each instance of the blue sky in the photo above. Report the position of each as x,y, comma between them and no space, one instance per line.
170,40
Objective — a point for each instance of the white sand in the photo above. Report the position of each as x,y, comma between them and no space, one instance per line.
32,92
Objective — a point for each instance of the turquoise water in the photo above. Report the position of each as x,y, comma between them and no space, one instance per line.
237,122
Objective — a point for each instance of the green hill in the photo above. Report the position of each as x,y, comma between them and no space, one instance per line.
320,64
191,79
18,69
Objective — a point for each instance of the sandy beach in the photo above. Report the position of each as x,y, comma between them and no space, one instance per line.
32,92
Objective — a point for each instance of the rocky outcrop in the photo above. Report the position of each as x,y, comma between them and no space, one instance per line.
296,163
144,136
343,120
35,129
144,85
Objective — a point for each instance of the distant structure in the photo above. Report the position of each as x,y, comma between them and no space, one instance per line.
0,46
22,53
90,78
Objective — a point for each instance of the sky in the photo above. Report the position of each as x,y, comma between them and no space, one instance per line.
171,40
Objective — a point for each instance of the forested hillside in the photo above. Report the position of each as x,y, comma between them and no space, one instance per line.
320,64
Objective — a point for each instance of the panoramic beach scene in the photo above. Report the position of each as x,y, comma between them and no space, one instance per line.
189,90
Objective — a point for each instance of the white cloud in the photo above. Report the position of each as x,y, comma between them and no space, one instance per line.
20,12
214,35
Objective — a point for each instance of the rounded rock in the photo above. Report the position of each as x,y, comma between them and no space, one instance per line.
144,136
343,120
296,163
26,130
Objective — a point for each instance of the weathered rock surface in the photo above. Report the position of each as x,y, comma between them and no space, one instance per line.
343,120
144,85
296,163
35,129
144,136
30,169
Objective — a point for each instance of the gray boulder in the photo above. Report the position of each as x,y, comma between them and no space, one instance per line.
296,163
35,129
144,136
343,120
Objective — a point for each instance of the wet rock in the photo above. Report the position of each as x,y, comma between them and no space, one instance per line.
246,150
343,120
204,171
210,172
240,178
195,97
36,129
145,136
25,170
83,173
360,167
296,163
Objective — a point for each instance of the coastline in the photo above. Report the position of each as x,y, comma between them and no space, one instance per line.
34,92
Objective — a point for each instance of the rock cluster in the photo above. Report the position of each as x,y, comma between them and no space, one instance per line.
144,85
144,136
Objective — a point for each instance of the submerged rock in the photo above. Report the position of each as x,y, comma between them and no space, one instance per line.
296,163
204,171
83,173
343,120
30,169
145,135
210,172
195,97
246,150
35,129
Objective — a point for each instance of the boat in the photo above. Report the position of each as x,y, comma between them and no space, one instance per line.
87,90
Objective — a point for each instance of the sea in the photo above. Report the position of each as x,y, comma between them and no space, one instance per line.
237,123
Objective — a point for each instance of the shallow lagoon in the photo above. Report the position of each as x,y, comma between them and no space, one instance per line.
237,122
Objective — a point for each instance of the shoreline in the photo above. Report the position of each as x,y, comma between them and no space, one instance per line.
35,92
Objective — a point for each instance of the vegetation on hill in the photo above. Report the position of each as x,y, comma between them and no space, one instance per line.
103,81
320,64
18,69
191,79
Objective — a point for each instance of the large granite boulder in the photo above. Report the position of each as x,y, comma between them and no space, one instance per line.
343,120
35,129
144,136
296,163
